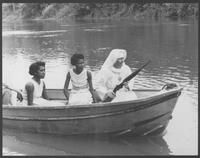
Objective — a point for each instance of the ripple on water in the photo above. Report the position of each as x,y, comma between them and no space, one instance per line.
7,152
93,30
28,32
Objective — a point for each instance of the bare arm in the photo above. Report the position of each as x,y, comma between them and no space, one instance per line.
44,93
29,89
66,91
19,95
92,91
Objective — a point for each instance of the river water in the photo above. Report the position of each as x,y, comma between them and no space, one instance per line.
171,45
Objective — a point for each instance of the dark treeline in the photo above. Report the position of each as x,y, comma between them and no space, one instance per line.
97,10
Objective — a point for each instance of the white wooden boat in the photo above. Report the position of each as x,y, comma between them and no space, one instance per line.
149,113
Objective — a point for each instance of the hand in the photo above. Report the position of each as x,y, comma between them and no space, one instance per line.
95,96
110,94
67,94
94,100
126,86
19,97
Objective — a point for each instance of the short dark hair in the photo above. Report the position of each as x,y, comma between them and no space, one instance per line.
76,57
34,67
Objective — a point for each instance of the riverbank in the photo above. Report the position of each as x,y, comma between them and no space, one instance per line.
74,11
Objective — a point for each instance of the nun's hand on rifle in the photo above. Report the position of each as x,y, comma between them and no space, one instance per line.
109,94
126,86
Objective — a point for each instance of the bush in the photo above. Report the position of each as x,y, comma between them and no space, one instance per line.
98,10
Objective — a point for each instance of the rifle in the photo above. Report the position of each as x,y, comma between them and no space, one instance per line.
128,78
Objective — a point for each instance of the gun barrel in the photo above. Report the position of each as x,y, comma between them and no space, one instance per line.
136,72
130,77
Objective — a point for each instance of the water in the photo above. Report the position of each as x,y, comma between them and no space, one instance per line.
171,45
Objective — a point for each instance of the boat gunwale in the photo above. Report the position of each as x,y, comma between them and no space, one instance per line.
136,108
96,105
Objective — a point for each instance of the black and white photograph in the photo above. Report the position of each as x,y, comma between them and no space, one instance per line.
100,79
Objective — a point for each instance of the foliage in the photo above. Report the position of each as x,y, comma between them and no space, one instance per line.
98,10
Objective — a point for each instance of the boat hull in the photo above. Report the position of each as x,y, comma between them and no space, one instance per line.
142,116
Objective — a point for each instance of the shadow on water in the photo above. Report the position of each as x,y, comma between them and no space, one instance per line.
45,144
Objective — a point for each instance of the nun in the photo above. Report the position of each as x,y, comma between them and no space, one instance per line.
113,72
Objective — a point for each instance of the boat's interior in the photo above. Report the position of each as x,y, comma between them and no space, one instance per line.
57,94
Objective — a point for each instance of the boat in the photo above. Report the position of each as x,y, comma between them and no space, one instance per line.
149,113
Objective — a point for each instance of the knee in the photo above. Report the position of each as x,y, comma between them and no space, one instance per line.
6,97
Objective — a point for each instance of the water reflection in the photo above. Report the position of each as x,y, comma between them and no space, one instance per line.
85,145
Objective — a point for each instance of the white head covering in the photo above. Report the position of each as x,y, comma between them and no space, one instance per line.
109,76
112,58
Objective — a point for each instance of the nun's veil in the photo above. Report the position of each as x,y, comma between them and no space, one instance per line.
112,57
